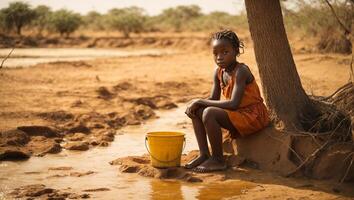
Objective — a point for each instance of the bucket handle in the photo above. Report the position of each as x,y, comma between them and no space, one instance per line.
147,148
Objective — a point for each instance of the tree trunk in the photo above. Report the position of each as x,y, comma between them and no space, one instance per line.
281,84
18,28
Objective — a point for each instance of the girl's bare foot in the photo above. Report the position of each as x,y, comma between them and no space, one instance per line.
197,161
210,165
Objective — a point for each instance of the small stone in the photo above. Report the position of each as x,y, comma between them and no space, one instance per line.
79,146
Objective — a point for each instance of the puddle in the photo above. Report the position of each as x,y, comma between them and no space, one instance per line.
125,186
31,56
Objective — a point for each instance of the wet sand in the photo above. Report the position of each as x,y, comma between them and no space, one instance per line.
28,57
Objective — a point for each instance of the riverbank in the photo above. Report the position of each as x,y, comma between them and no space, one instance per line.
90,102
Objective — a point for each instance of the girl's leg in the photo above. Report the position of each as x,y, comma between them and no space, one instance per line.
214,119
200,134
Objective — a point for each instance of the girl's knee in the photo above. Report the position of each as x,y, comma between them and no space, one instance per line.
208,114
199,113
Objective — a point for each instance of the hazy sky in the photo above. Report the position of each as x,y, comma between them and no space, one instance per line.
152,7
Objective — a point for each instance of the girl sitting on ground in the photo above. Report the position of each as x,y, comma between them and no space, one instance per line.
242,112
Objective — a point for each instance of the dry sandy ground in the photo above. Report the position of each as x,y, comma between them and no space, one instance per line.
83,103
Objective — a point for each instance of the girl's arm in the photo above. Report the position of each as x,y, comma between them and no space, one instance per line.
214,96
215,90
239,87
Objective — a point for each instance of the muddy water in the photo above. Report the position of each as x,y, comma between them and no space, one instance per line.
129,141
32,56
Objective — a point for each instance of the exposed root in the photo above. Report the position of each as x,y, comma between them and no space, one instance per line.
334,125
348,168
309,159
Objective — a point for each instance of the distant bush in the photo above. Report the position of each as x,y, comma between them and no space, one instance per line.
307,18
17,15
126,20
65,22
129,20
3,25
41,22
177,18
94,21
216,21
315,19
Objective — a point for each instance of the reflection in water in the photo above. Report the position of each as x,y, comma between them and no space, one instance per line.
161,190
223,190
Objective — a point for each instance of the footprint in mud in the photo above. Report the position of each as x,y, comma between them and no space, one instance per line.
104,93
58,176
80,174
62,168
32,172
123,86
96,190
69,64
57,116
72,174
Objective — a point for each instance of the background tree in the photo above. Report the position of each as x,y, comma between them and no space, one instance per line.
179,15
65,22
126,20
17,15
3,25
41,21
94,21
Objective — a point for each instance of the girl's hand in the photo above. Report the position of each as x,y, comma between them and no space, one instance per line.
193,107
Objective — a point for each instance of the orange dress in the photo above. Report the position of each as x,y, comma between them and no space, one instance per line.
251,115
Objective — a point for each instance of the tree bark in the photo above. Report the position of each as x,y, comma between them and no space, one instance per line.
18,29
281,84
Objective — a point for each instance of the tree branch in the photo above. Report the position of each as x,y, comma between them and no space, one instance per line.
346,29
8,55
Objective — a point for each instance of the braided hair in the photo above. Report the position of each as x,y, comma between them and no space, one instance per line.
231,37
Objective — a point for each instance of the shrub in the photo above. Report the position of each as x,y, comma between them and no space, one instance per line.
65,22
126,20
17,15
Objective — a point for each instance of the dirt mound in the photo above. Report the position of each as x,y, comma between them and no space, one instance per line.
186,42
123,86
43,192
40,145
79,146
14,137
155,102
57,115
292,153
141,165
13,153
25,141
70,64
40,131
104,93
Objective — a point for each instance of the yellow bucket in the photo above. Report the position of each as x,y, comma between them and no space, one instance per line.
165,148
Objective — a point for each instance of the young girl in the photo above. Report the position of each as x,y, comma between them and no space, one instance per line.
242,112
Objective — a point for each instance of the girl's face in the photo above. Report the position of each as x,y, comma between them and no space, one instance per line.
224,53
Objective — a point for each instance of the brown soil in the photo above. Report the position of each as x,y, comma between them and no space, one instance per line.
51,106
80,115
42,192
239,169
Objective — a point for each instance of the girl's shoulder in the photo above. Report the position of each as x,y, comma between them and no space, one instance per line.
244,70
